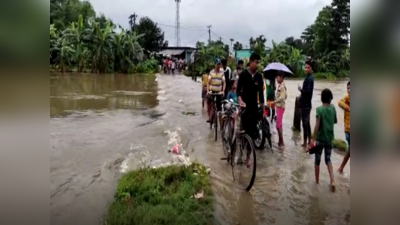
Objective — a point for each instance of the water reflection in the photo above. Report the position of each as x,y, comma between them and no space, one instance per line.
80,92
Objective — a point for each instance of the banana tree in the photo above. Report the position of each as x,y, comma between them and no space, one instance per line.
102,47
52,30
64,51
327,62
76,34
296,61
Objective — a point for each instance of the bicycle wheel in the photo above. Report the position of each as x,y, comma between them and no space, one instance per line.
226,137
215,125
244,171
260,141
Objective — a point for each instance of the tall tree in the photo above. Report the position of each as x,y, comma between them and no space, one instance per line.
341,22
237,46
325,40
153,35
64,12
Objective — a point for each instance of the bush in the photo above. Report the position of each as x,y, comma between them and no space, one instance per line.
147,66
340,145
163,196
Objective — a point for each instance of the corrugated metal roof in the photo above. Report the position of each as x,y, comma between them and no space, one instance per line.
171,52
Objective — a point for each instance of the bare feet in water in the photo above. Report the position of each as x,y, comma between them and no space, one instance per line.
333,187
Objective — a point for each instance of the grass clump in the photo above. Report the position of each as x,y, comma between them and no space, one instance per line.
340,144
163,196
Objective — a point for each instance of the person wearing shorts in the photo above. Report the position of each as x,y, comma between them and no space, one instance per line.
280,102
344,103
216,84
324,134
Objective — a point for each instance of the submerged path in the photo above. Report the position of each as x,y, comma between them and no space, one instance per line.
101,125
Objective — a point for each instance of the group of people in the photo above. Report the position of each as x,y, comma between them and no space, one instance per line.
170,65
246,87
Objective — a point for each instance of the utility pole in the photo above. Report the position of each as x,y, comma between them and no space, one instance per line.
209,33
177,24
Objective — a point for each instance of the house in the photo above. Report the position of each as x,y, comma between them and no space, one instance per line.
178,52
243,54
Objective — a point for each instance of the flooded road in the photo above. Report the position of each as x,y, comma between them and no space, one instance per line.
101,126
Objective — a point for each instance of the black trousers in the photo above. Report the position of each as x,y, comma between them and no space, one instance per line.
305,120
249,121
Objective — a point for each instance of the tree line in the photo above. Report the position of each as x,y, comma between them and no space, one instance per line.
326,42
83,41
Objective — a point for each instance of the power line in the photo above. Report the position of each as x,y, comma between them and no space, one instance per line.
198,38
219,36
182,28
169,23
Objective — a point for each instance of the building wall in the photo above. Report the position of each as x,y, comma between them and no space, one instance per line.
188,53
243,54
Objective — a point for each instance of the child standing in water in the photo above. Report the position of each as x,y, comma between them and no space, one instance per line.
270,93
324,135
232,93
344,103
280,102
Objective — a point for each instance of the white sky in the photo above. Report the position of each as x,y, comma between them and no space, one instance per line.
237,19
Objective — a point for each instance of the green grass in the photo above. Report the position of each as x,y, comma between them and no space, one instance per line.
340,144
162,196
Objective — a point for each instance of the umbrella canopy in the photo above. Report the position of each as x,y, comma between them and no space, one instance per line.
271,69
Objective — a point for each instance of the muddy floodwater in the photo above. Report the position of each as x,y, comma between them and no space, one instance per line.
104,125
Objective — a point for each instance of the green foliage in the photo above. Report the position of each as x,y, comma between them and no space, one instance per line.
82,41
147,66
162,196
326,43
154,36
340,144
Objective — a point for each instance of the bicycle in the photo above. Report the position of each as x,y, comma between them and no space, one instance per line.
227,127
240,141
214,113
264,132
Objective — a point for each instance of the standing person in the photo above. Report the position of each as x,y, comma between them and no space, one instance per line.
270,93
344,103
204,81
280,103
173,66
227,74
216,84
169,64
238,70
249,90
324,134
305,102
232,93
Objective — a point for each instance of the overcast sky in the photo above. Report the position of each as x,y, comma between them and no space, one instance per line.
237,19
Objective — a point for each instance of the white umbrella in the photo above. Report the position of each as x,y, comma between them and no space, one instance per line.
277,67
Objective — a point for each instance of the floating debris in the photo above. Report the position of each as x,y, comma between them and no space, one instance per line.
188,113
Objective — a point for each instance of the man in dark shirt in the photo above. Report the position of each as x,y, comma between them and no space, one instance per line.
305,102
249,87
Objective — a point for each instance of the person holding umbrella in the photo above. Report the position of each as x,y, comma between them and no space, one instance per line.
280,102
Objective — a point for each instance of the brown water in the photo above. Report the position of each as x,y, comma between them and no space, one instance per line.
102,125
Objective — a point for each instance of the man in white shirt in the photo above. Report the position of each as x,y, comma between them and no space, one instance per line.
227,75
